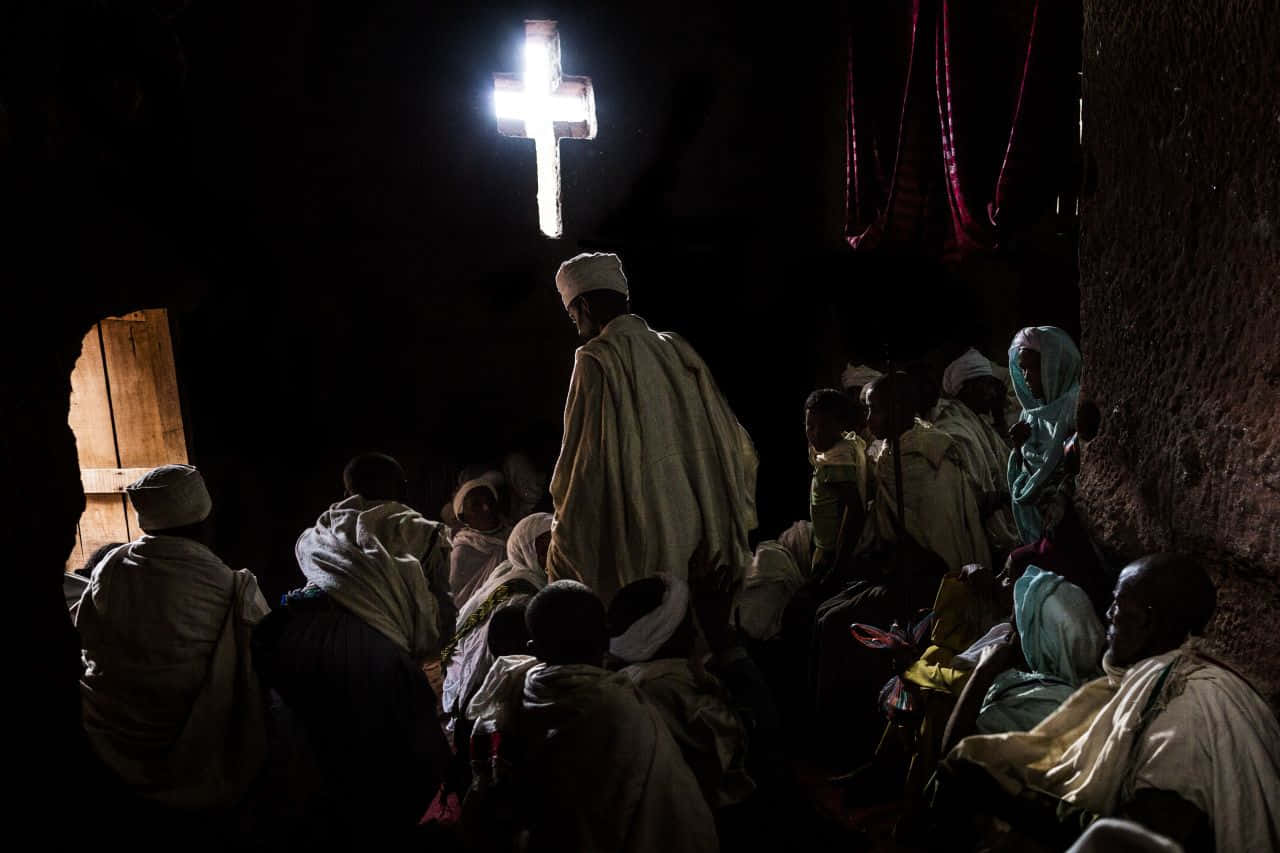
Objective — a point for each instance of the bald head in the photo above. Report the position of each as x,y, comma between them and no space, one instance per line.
375,477
1160,600
567,624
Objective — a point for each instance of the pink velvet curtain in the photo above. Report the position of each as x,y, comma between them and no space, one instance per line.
962,120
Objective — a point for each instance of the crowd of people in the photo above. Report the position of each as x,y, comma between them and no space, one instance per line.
628,673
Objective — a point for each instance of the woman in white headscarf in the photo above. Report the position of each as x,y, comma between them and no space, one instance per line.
466,659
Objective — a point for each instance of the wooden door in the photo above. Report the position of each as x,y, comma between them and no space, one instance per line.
126,419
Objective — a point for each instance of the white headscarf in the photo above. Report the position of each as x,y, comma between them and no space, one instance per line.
522,544
641,641
858,376
490,480
170,496
590,271
971,365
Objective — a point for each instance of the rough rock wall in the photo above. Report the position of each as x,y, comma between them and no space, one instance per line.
1179,267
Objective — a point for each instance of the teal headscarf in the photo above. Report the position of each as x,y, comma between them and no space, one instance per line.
1063,642
1052,420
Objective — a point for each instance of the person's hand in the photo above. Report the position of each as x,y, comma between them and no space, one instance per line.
1019,433
1002,655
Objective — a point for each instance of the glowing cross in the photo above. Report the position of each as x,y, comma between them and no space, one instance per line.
546,107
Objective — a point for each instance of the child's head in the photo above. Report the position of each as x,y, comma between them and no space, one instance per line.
566,623
375,477
828,414
508,633
643,599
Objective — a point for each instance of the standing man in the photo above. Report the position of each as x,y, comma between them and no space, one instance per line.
654,467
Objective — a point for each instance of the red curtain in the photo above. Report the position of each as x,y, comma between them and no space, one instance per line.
962,120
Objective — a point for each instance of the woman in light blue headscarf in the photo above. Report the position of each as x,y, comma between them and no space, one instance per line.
1044,365
1062,641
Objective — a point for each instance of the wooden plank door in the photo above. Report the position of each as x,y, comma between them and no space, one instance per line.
126,418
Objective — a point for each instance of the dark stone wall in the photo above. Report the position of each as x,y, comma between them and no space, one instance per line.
1179,267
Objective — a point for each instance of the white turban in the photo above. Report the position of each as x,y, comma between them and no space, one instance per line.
170,496
968,366
641,641
858,376
591,271
490,480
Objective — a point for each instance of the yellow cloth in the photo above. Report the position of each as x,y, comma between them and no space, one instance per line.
845,462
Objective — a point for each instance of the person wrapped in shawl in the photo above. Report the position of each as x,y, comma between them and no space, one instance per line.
480,544
1019,679
1168,736
1045,367
345,655
466,659
570,756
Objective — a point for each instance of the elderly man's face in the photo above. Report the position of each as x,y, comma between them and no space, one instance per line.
1130,618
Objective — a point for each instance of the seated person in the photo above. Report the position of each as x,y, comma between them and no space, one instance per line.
171,703
466,659
1169,737
967,385
480,544
345,654
900,563
838,491
1058,647
569,755
653,633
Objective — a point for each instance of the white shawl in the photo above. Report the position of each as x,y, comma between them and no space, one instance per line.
1174,722
654,466
607,773
170,699
367,555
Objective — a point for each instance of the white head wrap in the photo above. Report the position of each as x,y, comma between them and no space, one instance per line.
968,366
641,641
490,480
1028,338
522,544
858,376
170,496
591,271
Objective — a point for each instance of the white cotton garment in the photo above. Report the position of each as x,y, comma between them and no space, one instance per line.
1175,722
645,636
367,555
654,467
171,703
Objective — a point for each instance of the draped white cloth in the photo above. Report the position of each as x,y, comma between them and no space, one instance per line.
769,585
986,460
366,555
654,466
645,636
710,735
470,661
1174,722
603,771
171,703
474,557
941,511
